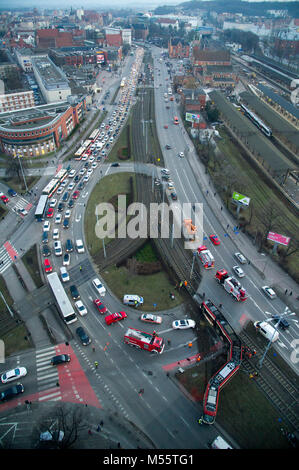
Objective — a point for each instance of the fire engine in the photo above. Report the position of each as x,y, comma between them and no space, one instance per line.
231,285
142,340
205,257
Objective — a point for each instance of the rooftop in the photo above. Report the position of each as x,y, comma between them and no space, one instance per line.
51,75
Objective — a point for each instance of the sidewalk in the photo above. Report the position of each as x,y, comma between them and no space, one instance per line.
267,268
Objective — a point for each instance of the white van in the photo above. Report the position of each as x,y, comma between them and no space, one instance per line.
267,330
220,443
80,246
134,300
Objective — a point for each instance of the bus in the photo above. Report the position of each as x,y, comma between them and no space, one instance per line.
93,136
61,174
82,149
175,120
64,305
41,207
51,187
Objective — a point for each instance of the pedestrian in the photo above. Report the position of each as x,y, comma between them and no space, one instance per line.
286,291
207,191
203,295
190,344
214,194
101,423
89,432
220,305
96,364
168,342
291,293
93,349
181,284
141,391
98,428
221,208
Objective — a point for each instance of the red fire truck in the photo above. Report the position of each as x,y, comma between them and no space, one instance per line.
142,340
231,285
205,257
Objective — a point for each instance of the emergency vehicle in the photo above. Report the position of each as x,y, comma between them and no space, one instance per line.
231,285
205,257
142,340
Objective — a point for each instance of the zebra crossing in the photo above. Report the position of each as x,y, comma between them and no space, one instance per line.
7,255
47,375
21,203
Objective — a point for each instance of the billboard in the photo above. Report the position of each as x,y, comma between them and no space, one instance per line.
192,117
241,199
277,238
100,57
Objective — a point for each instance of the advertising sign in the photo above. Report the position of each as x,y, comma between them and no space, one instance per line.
241,199
277,238
100,57
192,117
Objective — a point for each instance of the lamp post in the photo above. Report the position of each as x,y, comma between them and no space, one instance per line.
18,155
6,304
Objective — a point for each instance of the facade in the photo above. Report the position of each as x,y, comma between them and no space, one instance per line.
18,100
24,56
40,130
126,36
203,57
178,48
113,37
7,68
46,38
218,76
193,100
51,80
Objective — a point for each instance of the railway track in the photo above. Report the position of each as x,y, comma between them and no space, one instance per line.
274,384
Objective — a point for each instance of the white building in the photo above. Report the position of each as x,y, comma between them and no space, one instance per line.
16,100
51,80
126,35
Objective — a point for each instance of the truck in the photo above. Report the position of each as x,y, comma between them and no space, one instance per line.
206,257
231,285
142,340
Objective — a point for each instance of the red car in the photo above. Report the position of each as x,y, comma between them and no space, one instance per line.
48,267
165,127
100,306
114,317
76,194
214,239
4,199
50,212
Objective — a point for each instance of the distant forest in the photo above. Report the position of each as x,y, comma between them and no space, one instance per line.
234,6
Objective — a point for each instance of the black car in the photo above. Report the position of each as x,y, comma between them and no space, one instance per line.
11,392
86,165
85,339
11,192
65,196
60,207
81,186
69,246
46,250
66,223
45,237
74,292
165,177
114,164
71,203
61,359
284,324
76,179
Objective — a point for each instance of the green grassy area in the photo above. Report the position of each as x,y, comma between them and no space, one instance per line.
30,260
106,190
15,340
122,141
231,168
243,411
5,294
146,254
154,288
18,184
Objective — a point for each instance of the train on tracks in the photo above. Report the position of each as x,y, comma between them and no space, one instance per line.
257,121
234,358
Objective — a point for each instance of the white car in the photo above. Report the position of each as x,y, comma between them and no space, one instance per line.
165,171
67,214
240,258
47,226
94,165
85,157
60,190
183,324
181,155
72,173
269,292
80,246
22,212
71,186
64,183
53,202
99,286
91,159
82,171
57,248
81,308
58,219
66,259
170,185
86,178
13,374
89,171
55,234
64,274
150,318
239,271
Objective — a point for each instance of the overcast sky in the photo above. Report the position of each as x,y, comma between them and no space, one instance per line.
96,4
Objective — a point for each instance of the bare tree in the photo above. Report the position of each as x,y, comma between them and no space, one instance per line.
269,219
13,168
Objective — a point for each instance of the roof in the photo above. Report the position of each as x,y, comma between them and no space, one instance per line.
289,107
219,68
208,55
176,41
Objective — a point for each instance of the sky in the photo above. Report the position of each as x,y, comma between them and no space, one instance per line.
101,4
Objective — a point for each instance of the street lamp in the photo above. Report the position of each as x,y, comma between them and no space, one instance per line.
280,317
18,155
6,304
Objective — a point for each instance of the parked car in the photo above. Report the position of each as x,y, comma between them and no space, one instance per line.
67,214
84,338
60,359
183,324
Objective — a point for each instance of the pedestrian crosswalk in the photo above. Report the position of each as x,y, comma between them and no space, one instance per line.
21,203
47,375
8,254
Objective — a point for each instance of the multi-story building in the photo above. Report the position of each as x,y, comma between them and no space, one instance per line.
52,81
178,48
40,130
24,56
17,100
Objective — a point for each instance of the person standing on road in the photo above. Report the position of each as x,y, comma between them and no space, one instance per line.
96,364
